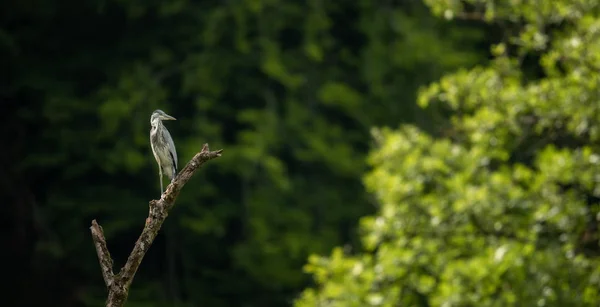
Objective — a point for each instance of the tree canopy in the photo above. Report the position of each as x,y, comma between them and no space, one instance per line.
501,206
289,89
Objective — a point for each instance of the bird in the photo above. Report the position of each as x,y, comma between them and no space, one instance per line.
163,147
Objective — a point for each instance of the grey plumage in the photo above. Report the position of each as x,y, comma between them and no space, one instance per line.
162,145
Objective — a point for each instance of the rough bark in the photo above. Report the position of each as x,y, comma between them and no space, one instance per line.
118,285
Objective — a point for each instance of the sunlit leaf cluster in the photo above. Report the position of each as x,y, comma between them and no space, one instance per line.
502,209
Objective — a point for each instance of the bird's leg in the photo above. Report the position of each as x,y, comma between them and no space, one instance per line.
160,176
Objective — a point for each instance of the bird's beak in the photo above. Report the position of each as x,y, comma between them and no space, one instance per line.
168,117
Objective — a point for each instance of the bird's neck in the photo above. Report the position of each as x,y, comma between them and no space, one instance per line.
156,124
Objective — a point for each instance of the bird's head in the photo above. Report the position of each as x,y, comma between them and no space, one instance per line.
160,115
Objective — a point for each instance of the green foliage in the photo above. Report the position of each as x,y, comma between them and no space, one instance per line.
288,89
502,208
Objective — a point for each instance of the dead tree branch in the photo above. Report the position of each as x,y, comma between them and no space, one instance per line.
106,262
118,285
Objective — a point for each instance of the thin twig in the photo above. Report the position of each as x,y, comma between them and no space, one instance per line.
118,285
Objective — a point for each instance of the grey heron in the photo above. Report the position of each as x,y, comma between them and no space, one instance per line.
163,147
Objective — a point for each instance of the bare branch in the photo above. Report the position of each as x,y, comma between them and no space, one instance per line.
118,286
106,262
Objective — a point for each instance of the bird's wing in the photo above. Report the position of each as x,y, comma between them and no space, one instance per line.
172,149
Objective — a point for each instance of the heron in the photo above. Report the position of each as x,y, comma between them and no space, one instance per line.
163,147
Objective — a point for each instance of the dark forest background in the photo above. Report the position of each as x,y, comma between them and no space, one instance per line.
291,90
